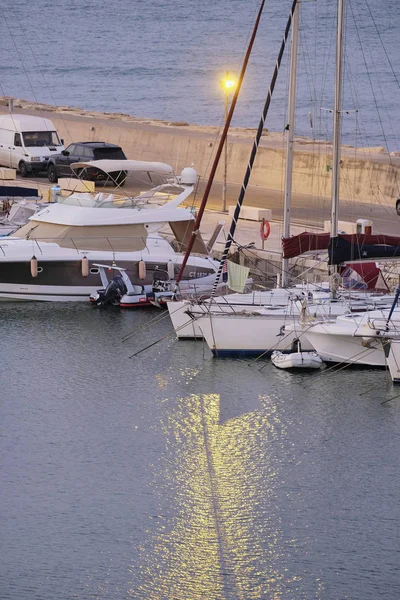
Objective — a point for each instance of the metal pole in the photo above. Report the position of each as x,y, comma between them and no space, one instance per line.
289,140
225,153
337,119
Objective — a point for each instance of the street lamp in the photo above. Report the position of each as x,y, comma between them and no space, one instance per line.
228,84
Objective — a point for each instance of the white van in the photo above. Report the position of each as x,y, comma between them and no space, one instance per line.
27,142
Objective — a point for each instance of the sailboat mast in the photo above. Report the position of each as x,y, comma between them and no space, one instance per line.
337,119
289,140
256,142
220,147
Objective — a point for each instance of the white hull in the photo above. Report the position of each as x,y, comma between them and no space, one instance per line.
256,330
69,284
348,349
56,293
354,339
296,360
187,327
228,335
44,293
393,360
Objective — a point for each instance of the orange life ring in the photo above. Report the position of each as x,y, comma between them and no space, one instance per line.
265,230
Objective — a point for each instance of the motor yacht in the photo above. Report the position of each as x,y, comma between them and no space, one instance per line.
52,256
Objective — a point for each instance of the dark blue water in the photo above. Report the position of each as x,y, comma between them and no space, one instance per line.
158,59
173,475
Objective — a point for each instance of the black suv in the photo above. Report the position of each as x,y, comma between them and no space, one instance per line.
59,164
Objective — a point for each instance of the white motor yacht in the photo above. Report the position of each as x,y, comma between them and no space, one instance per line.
52,257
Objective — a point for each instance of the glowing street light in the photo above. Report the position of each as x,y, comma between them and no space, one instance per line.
228,84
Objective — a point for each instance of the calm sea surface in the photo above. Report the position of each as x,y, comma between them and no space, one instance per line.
173,475
159,59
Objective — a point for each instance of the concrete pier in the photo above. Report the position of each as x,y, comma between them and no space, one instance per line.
368,175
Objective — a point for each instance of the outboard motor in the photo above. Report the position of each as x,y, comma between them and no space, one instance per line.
113,293
296,346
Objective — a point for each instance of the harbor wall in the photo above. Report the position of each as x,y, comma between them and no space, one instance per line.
368,175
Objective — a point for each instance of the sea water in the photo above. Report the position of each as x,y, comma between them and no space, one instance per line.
174,475
165,60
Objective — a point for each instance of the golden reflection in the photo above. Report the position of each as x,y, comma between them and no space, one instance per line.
162,381
222,539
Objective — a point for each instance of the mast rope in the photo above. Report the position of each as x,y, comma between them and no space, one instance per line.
221,144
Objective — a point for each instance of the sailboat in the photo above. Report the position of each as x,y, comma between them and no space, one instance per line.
231,332
358,339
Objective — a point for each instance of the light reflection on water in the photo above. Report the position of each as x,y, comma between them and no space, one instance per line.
213,549
175,475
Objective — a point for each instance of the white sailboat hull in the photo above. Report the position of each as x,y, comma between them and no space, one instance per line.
256,330
187,327
355,339
393,360
245,334
347,349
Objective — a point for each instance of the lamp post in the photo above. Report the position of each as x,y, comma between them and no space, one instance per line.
228,84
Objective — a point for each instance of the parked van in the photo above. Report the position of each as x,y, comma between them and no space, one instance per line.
27,142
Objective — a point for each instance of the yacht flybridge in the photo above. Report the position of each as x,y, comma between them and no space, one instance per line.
52,257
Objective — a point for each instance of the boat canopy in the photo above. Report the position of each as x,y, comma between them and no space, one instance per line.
113,166
81,216
116,238
362,247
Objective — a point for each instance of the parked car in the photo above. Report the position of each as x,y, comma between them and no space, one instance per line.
59,165
398,206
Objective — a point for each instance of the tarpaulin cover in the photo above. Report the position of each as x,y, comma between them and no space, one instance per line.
363,276
345,247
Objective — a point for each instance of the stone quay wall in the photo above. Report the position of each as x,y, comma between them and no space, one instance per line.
368,175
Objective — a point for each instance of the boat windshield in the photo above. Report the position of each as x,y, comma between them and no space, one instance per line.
40,138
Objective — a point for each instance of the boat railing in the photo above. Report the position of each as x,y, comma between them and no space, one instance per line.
383,326
139,202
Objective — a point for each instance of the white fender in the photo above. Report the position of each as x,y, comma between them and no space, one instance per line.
85,266
171,269
142,269
34,266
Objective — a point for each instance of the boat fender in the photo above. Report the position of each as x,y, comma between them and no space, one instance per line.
265,229
171,269
34,266
85,266
142,269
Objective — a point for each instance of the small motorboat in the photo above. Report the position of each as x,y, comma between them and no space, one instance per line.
296,359
120,291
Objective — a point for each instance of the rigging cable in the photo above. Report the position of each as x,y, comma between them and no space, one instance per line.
254,150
